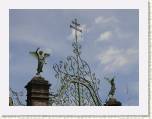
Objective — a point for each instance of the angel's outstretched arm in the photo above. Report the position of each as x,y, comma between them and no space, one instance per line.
37,50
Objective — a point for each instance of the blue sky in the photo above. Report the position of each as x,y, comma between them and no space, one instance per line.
109,44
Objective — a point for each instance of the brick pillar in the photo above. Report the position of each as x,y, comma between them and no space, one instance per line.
37,92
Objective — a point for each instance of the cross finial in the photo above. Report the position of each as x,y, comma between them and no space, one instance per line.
75,25
75,22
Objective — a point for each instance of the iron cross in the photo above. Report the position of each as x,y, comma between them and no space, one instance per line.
75,27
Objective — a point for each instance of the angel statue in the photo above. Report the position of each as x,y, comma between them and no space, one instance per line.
113,88
41,56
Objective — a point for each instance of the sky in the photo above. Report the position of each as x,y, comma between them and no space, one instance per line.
110,45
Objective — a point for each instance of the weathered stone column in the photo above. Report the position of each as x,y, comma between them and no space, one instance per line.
37,92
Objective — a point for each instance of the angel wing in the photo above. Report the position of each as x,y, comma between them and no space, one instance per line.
34,54
46,55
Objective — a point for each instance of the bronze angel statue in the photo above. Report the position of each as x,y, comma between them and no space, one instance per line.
113,87
41,57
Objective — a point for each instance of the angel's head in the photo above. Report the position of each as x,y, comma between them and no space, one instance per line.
112,80
40,52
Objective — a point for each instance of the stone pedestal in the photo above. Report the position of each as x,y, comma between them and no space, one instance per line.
112,102
37,92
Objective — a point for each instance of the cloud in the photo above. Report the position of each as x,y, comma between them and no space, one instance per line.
121,34
101,20
115,58
104,36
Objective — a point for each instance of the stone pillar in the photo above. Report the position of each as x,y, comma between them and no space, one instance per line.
10,101
112,102
37,92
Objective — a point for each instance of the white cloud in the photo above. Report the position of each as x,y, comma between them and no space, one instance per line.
115,58
101,19
84,28
121,34
104,36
